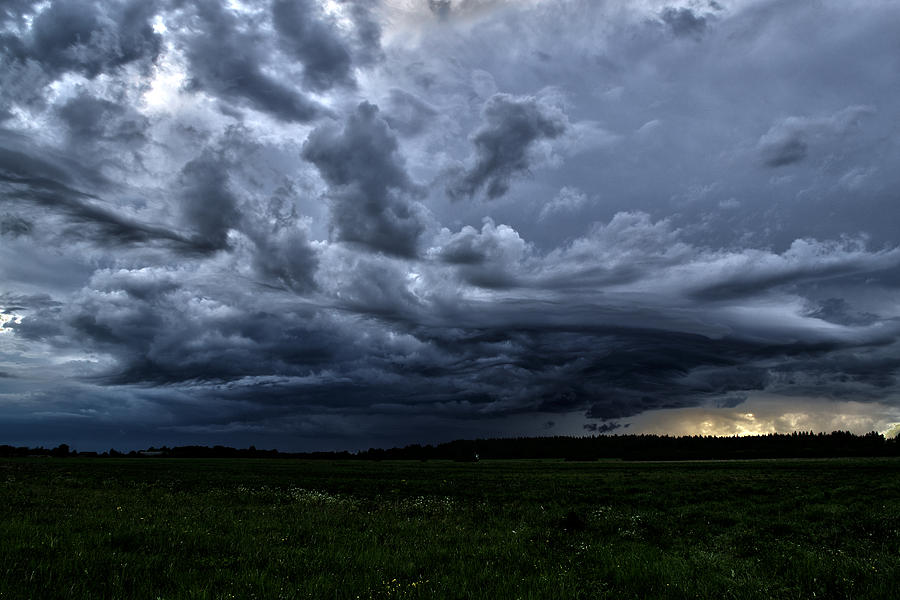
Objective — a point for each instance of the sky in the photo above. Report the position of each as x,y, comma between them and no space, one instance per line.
336,224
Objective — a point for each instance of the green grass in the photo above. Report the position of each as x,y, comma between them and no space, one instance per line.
157,528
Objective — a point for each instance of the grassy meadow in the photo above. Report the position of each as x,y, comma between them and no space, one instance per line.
269,529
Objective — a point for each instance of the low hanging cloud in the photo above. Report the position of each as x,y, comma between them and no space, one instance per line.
313,41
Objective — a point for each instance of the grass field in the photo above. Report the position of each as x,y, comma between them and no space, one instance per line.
158,528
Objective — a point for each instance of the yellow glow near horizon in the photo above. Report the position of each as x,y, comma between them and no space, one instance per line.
766,414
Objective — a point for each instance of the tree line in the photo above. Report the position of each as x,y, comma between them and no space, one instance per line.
578,448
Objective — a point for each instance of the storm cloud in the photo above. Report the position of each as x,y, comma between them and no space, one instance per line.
86,37
229,59
343,224
370,195
511,127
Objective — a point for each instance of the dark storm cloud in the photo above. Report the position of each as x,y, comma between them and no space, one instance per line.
327,53
789,148
287,257
228,60
510,127
611,374
369,186
307,37
88,118
89,218
683,21
90,38
838,310
178,266
207,205
602,427
162,334
17,302
14,225
846,373
367,39
30,181
283,253
40,178
26,163
618,373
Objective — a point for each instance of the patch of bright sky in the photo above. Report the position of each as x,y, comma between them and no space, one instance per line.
239,7
764,413
335,10
168,78
159,25
6,319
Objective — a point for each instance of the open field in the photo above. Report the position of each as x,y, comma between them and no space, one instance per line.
166,528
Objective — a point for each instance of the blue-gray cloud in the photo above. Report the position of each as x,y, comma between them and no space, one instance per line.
370,189
85,37
231,222
511,126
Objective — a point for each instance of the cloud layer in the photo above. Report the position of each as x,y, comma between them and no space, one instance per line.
340,224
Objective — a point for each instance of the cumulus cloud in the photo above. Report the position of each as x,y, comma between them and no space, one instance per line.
89,119
489,258
511,127
370,189
208,208
228,60
308,37
683,21
92,38
284,254
14,225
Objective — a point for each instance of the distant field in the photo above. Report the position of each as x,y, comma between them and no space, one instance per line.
168,528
